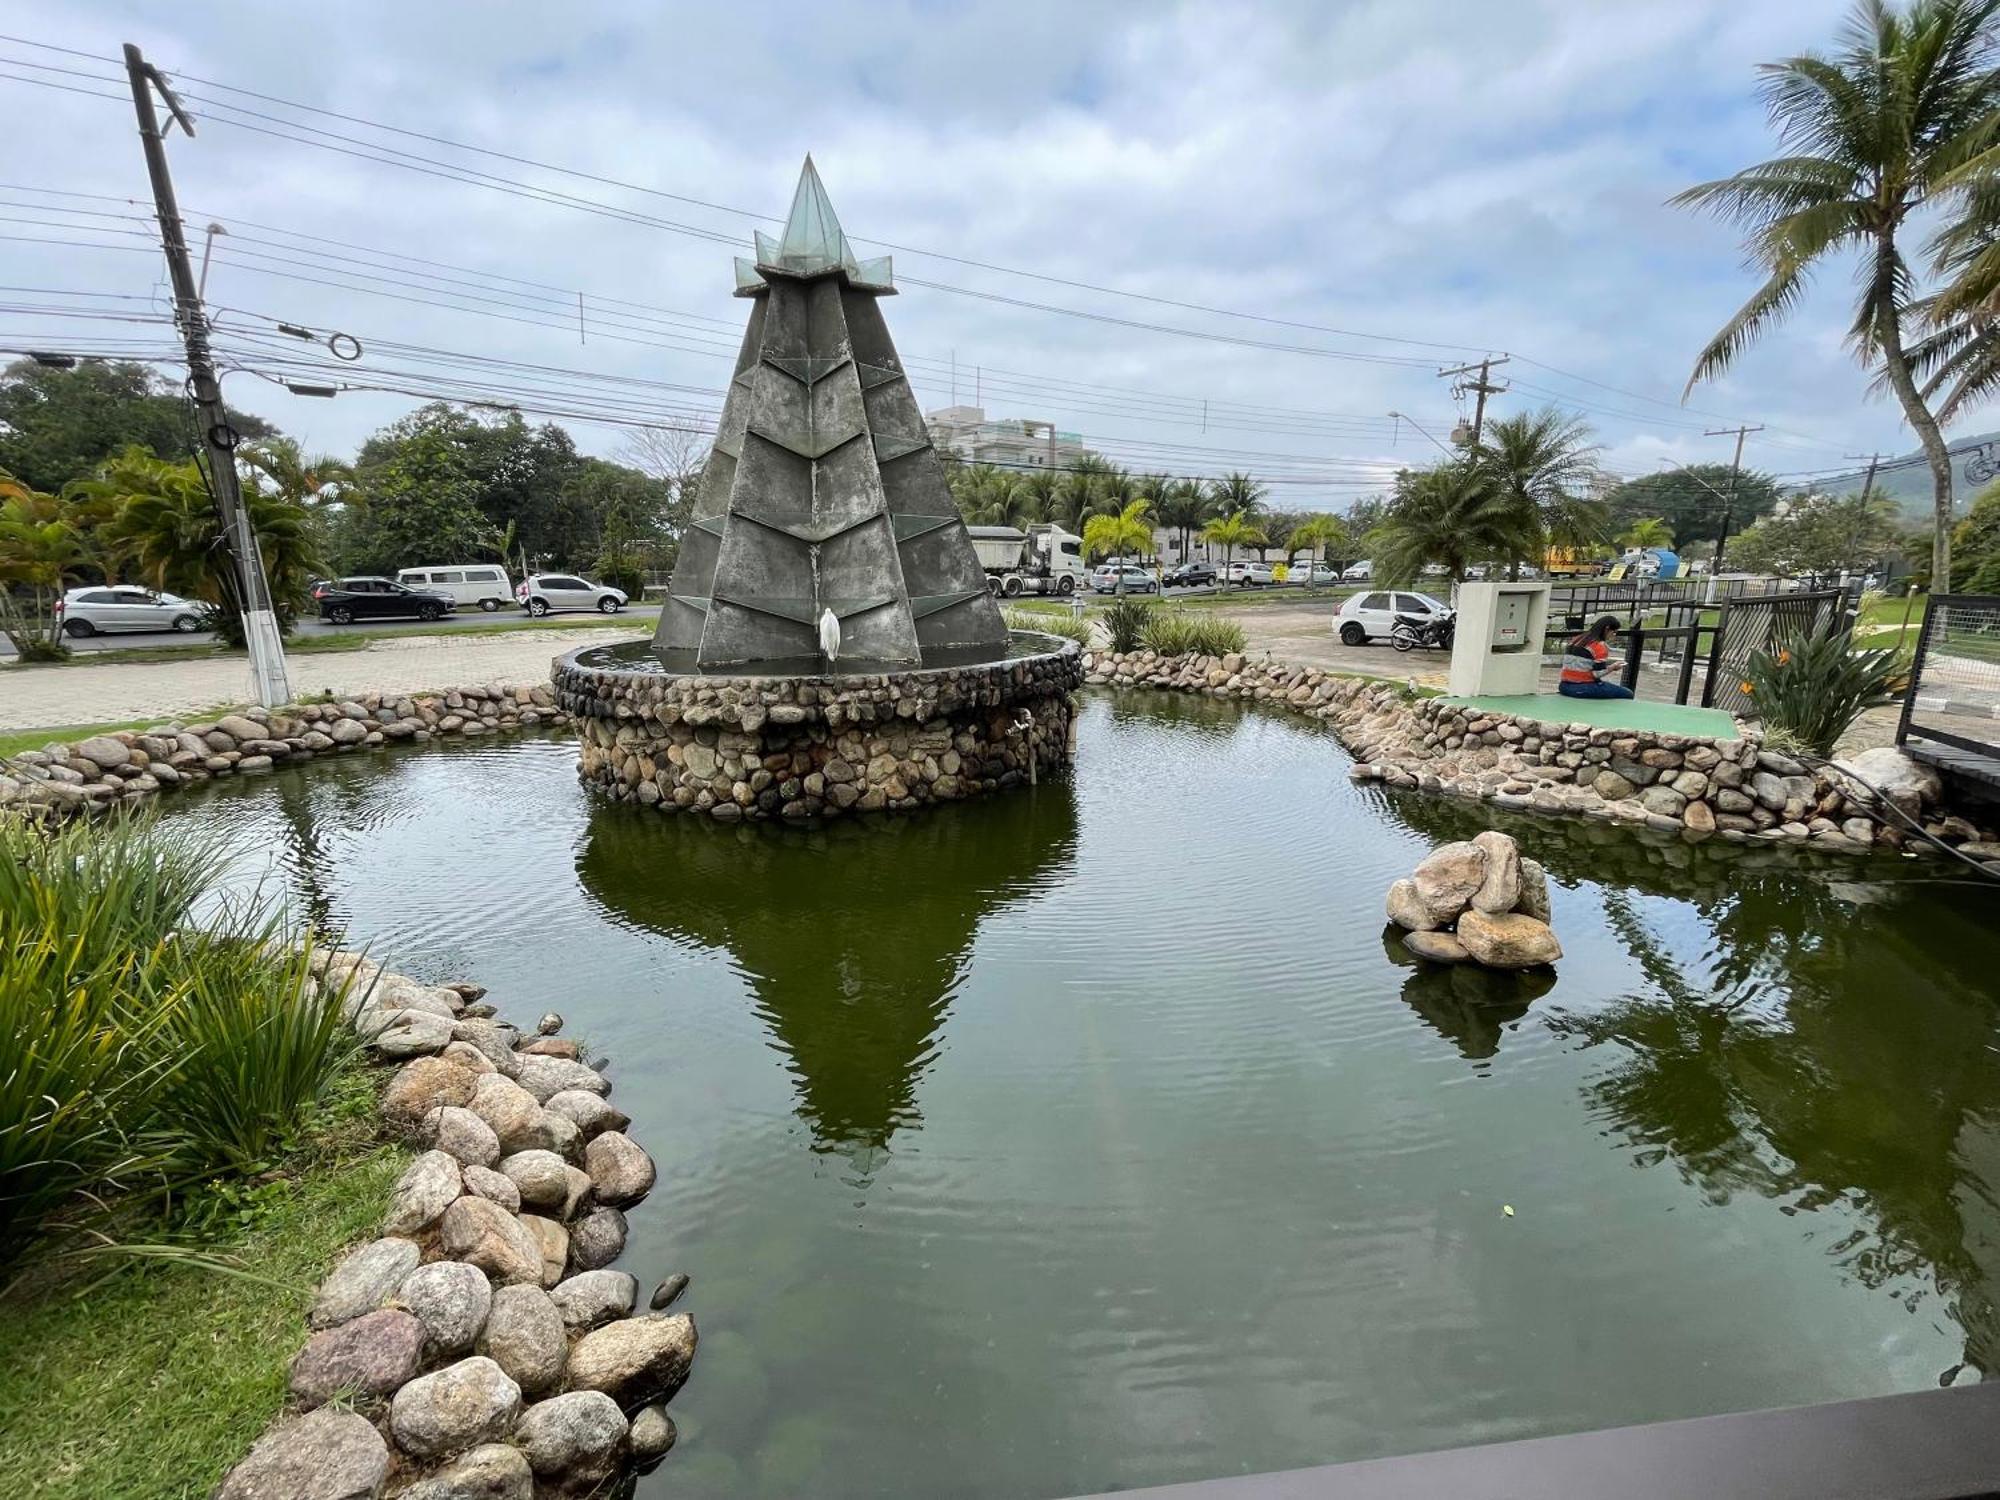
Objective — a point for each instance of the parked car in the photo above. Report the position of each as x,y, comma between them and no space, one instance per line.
1358,572
1136,580
1312,575
1248,572
1372,617
547,593
1191,575
120,606
484,584
344,600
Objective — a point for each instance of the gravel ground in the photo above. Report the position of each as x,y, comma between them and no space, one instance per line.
84,692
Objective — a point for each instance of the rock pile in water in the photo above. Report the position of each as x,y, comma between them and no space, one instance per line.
1477,902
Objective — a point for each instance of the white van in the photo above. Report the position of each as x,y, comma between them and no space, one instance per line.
484,584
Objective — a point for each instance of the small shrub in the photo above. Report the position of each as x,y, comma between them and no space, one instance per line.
1812,687
1183,632
1126,619
42,651
1070,627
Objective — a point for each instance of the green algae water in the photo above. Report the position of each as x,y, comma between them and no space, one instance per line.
1093,1136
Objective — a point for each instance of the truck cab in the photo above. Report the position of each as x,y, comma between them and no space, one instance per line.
1043,559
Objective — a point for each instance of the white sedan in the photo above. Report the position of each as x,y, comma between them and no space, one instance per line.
110,607
1370,617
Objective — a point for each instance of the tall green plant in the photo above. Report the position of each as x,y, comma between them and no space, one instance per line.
150,1032
41,548
1126,620
1812,687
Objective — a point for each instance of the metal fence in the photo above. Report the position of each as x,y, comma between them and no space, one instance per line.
1954,695
1749,626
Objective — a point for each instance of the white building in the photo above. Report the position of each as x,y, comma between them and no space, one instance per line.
1020,443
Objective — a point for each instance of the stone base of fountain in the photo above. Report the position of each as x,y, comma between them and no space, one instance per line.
816,746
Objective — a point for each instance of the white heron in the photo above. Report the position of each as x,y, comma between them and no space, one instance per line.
829,634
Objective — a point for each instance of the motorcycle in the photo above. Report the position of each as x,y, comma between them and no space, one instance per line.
1432,632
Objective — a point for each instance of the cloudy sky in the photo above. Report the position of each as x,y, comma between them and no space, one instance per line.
1330,201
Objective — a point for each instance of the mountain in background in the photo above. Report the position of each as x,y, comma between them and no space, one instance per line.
1975,463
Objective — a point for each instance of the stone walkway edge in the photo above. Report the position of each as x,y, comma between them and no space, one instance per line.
482,1345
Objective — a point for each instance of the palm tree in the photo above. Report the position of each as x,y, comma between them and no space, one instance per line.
1239,492
1232,531
279,464
1184,506
1317,534
1078,493
40,549
1648,533
1873,137
1450,516
1113,535
166,528
1542,461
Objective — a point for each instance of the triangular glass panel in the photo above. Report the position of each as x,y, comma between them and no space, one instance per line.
747,279
813,240
874,375
767,248
875,274
711,524
692,601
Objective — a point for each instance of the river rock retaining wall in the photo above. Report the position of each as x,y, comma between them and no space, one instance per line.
1704,788
810,747
483,1345
107,770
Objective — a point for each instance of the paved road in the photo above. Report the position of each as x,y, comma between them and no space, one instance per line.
117,692
307,629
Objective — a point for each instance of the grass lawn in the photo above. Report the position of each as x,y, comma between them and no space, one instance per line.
152,1383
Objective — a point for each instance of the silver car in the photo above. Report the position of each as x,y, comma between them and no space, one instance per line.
120,606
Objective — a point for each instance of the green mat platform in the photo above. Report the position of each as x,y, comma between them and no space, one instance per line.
1611,713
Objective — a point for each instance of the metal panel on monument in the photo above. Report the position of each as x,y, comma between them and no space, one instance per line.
824,529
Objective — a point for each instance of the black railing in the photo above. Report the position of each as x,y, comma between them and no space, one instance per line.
1748,626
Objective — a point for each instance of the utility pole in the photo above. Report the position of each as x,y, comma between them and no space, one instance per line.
1867,494
218,438
1482,387
1729,500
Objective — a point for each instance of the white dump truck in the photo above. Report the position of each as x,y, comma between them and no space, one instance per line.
1044,559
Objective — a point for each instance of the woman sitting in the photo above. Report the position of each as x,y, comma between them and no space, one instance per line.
1585,661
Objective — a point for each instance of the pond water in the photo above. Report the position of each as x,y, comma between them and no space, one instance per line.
1092,1136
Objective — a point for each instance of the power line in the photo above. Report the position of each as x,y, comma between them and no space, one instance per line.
548,195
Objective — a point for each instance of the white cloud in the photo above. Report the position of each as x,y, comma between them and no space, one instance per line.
1477,175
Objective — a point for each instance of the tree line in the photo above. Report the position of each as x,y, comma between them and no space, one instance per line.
98,482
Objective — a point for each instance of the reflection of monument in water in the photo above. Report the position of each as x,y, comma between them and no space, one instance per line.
854,937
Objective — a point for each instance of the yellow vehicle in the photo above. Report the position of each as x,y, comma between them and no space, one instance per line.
1569,562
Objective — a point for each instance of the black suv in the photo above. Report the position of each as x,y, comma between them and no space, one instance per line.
344,600
1187,575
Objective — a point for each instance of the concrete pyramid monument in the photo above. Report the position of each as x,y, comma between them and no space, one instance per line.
823,531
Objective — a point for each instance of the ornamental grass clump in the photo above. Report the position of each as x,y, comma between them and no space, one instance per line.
152,1032
1126,620
1182,632
1811,687
1068,626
